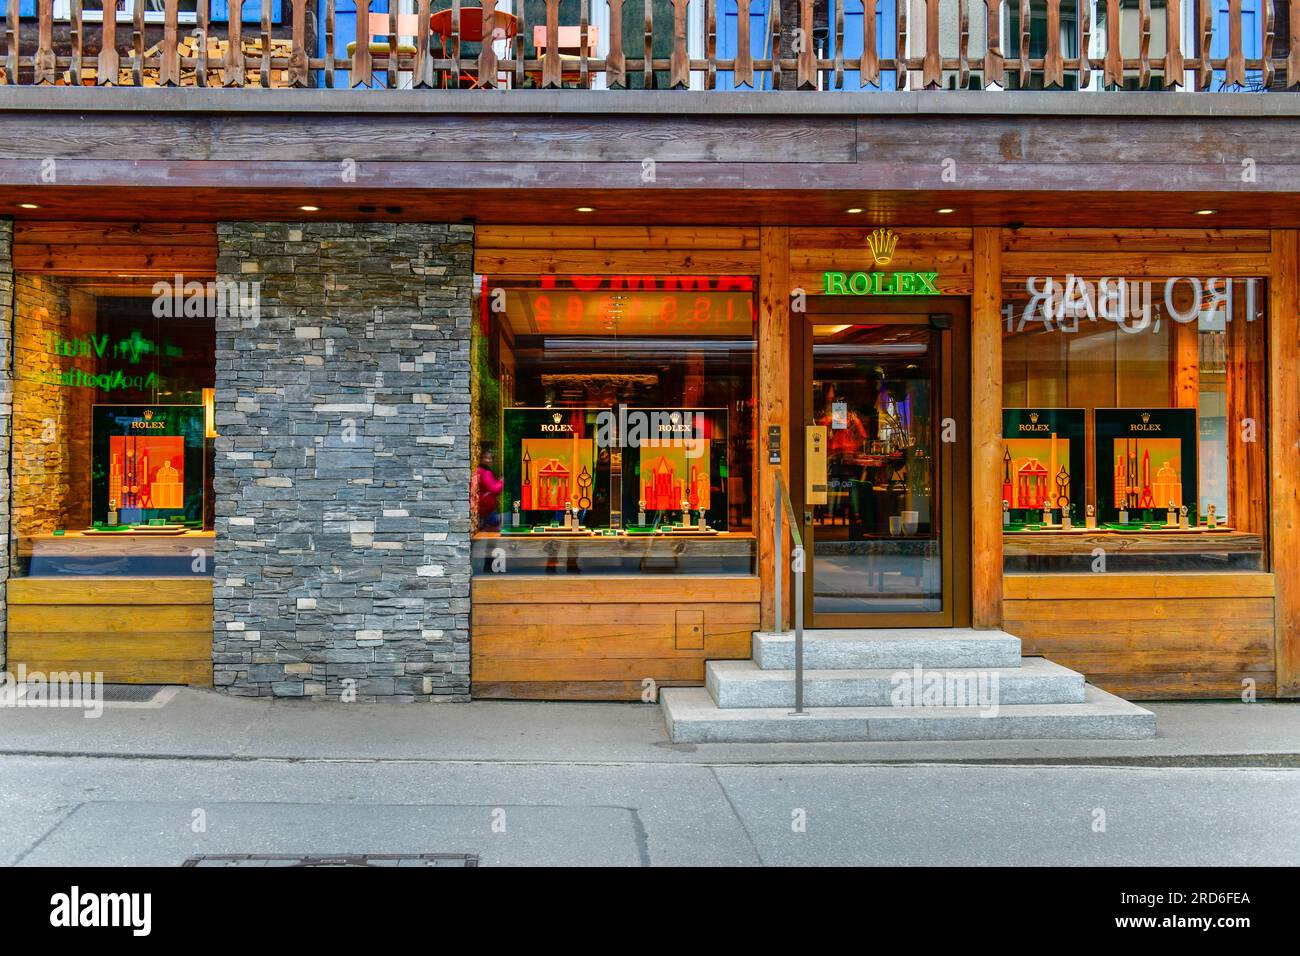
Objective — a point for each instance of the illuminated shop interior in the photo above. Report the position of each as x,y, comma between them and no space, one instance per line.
613,427
1140,434
113,428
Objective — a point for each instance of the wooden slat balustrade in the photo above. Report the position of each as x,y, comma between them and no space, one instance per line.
1079,53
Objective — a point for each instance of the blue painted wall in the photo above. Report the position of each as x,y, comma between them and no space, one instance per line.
728,38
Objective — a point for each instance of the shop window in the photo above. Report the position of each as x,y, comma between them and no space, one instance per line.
1134,424
613,426
112,426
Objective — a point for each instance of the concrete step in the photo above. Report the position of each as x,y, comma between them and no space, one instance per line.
1035,681
694,717
899,647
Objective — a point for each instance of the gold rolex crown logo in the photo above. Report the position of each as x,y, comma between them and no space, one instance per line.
1146,417
1033,417
148,414
556,417
882,243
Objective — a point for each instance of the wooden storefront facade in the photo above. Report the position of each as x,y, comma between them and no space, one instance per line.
1145,635
993,165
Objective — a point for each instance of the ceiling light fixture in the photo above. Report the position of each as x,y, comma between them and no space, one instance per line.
310,208
1206,212
28,205
945,210
584,209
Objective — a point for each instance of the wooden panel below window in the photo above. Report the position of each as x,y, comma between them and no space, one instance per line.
134,631
1150,636
600,638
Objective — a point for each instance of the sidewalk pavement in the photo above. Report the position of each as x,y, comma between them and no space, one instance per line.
203,724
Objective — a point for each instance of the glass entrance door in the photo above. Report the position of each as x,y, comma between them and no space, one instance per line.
888,534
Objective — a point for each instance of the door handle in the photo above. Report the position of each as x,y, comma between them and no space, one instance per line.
815,476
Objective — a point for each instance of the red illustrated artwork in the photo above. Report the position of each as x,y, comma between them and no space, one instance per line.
147,471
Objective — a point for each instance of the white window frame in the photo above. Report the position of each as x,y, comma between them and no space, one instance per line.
63,12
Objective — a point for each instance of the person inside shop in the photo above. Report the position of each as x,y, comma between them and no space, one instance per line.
487,491
847,438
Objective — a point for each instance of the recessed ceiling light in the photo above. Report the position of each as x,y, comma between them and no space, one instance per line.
945,210
584,209
310,208
854,210
28,205
1206,212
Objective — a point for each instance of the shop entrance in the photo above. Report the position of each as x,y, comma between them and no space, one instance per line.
882,468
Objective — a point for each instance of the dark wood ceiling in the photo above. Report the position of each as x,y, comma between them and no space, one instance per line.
655,206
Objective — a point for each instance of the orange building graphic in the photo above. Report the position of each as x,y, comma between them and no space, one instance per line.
147,472
668,479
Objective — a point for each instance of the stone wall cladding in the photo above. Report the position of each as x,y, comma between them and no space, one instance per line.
6,416
51,423
342,471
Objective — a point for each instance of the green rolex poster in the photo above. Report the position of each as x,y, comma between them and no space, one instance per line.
1043,460
552,464
671,456
147,463
1146,462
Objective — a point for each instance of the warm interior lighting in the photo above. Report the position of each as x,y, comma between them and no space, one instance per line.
210,413
1206,212
28,205
945,210
584,209
854,211
310,208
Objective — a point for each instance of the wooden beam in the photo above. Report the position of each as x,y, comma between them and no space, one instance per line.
1138,264
986,430
774,358
1184,373
1246,393
1053,62
639,238
615,59
679,76
621,261
1284,437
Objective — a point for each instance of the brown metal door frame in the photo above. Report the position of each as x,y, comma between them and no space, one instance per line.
954,390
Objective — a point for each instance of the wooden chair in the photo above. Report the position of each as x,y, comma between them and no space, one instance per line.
408,25
569,44
505,26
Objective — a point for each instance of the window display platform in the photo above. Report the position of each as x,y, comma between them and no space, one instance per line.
596,552
1163,549
143,553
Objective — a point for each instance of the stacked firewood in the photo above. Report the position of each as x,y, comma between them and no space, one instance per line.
188,46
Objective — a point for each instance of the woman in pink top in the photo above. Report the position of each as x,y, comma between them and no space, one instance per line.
487,489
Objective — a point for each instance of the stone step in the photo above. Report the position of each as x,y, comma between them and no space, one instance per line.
1035,681
694,717
899,647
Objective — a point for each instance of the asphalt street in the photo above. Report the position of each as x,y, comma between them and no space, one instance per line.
77,810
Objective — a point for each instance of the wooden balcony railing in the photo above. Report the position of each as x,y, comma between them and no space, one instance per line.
104,52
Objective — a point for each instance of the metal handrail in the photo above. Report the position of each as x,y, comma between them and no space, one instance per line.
785,507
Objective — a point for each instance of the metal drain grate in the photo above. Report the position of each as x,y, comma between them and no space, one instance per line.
342,859
131,693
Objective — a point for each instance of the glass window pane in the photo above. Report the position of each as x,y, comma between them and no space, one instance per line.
1133,424
613,426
